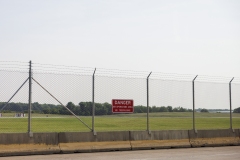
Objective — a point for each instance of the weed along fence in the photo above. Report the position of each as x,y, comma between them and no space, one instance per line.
49,98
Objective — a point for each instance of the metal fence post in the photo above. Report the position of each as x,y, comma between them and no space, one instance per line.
194,105
148,103
93,103
30,99
230,100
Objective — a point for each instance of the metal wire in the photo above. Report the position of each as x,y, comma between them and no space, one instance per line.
62,104
70,84
76,70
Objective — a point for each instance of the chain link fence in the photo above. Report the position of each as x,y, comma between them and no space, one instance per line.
56,98
14,90
170,99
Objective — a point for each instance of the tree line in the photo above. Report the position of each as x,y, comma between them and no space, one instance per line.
236,110
83,108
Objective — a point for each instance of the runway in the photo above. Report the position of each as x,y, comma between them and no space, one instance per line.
204,153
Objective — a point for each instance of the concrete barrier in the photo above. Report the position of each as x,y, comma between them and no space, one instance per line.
21,144
70,142
159,139
239,133
211,138
73,142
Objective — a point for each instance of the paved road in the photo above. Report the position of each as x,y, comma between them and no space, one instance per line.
206,153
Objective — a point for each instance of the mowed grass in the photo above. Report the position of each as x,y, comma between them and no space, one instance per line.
120,122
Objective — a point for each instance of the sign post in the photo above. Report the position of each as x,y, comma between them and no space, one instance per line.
122,106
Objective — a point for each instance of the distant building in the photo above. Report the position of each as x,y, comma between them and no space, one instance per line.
20,115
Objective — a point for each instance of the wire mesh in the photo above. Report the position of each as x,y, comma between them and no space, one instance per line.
171,104
63,96
13,115
53,92
117,86
235,88
212,97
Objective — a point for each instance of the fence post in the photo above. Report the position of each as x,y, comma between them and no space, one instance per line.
148,103
194,105
230,100
30,99
93,103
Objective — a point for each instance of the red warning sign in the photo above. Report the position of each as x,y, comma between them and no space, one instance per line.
122,106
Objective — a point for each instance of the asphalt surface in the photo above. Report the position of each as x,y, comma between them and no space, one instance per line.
204,153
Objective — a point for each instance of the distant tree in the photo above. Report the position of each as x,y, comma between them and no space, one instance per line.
70,106
100,109
86,108
169,108
189,110
54,110
175,109
204,110
179,109
163,109
236,110
108,107
46,111
153,109
140,109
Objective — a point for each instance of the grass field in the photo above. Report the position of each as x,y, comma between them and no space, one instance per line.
120,122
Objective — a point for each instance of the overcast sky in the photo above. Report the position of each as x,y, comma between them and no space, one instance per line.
176,36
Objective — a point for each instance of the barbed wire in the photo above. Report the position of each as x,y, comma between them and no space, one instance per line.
14,66
60,73
38,68
11,70
11,67
13,62
55,66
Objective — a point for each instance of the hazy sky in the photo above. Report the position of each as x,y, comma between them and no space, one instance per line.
176,36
